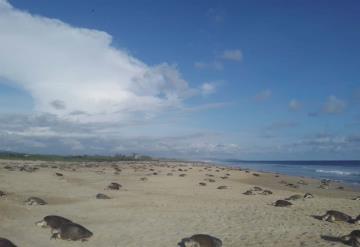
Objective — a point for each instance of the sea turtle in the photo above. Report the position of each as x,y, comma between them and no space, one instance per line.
282,203
352,239
294,197
200,240
356,220
6,243
249,192
308,196
333,215
266,192
72,231
102,196
114,186
53,221
35,201
2,193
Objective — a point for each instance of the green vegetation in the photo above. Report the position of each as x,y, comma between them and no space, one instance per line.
72,158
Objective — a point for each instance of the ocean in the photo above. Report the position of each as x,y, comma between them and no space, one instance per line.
343,171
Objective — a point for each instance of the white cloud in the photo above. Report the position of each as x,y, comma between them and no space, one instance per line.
209,106
68,69
216,65
234,55
208,88
333,105
49,134
294,105
263,95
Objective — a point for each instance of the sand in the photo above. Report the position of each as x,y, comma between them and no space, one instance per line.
164,209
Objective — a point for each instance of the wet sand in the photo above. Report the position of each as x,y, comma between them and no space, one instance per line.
163,209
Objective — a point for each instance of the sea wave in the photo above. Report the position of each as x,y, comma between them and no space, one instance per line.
337,172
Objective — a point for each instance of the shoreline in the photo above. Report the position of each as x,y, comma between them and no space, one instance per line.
317,174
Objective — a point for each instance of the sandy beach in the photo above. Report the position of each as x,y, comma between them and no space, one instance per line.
166,206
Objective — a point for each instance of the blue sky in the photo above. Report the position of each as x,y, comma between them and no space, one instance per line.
205,79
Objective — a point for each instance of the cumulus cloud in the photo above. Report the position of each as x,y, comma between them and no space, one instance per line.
294,105
230,55
263,95
45,133
328,143
67,69
208,88
58,104
233,55
333,105
216,65
205,107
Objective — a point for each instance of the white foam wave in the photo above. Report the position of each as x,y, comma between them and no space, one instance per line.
337,172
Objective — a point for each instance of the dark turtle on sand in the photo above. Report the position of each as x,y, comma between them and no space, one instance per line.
356,198
53,221
202,184
72,231
302,182
59,174
200,240
282,203
308,196
249,192
266,192
114,186
222,187
294,197
144,179
256,174
6,243
35,201
9,168
352,239
102,196
210,180
292,185
256,188
356,220
182,175
324,186
2,193
325,181
333,215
